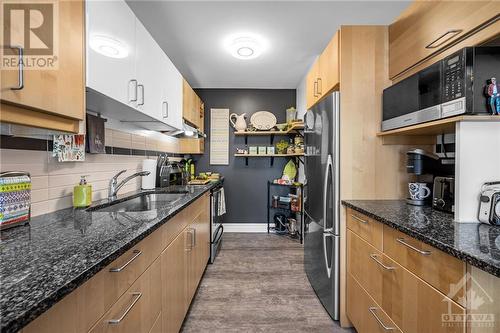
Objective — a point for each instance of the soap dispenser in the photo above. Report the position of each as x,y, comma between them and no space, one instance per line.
82,194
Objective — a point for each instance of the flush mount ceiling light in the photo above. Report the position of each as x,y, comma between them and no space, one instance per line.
245,45
108,46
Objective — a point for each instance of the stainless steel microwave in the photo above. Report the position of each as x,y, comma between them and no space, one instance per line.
455,85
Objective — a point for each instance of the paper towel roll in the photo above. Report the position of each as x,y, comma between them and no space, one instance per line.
149,181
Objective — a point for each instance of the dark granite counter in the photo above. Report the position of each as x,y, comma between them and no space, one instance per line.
58,252
476,244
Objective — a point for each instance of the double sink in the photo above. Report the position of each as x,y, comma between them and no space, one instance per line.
142,202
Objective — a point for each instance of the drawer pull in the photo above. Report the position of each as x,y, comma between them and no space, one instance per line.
380,322
358,219
20,72
119,269
422,252
137,296
434,43
378,261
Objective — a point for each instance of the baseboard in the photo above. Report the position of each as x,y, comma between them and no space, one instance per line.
246,227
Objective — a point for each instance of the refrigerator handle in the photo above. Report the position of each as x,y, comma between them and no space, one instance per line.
328,172
325,253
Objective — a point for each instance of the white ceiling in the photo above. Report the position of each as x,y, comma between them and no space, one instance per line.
191,33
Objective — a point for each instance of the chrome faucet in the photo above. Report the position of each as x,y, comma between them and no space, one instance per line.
114,186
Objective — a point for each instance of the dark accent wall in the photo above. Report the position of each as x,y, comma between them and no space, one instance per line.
245,186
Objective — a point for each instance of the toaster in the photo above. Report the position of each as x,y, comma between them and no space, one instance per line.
444,194
489,203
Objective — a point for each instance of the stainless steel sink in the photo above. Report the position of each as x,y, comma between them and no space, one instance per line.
141,203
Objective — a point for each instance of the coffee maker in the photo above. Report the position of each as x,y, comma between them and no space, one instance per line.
424,165
167,172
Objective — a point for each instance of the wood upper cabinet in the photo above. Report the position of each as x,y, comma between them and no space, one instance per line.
324,75
312,85
429,27
192,106
57,90
329,66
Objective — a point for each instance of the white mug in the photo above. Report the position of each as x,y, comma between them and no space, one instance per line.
418,191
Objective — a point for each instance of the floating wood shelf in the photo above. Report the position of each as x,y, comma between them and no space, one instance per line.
268,155
292,130
436,127
272,156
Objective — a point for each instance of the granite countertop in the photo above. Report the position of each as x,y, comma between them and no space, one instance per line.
475,243
58,252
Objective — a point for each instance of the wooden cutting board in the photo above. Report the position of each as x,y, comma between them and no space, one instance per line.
199,181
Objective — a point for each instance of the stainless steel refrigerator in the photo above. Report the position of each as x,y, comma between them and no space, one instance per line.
322,225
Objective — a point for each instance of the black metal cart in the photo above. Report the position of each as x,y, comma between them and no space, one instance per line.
299,215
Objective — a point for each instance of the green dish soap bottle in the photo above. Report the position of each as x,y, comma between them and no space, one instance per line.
82,194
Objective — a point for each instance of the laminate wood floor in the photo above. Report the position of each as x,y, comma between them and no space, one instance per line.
257,284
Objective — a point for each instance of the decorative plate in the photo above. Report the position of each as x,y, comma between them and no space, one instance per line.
263,120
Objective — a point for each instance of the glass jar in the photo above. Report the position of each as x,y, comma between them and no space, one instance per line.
291,114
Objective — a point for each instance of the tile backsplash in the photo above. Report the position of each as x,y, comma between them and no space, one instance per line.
53,181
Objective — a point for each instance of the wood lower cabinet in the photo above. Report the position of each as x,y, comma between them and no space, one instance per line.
403,287
411,303
430,264
138,308
183,264
364,312
146,290
174,282
51,96
427,28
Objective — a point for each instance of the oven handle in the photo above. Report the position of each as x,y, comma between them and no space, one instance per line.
216,191
218,235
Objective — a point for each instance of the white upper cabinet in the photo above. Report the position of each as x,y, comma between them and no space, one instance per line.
147,63
111,49
171,93
125,63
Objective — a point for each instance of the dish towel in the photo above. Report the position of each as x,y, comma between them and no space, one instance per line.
222,203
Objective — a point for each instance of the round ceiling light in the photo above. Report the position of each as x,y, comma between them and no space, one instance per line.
108,46
245,45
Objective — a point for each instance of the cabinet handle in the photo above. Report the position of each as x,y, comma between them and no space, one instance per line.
422,252
434,44
358,219
165,109
137,253
137,296
378,261
193,244
142,94
315,88
190,247
380,322
20,72
134,81
320,86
